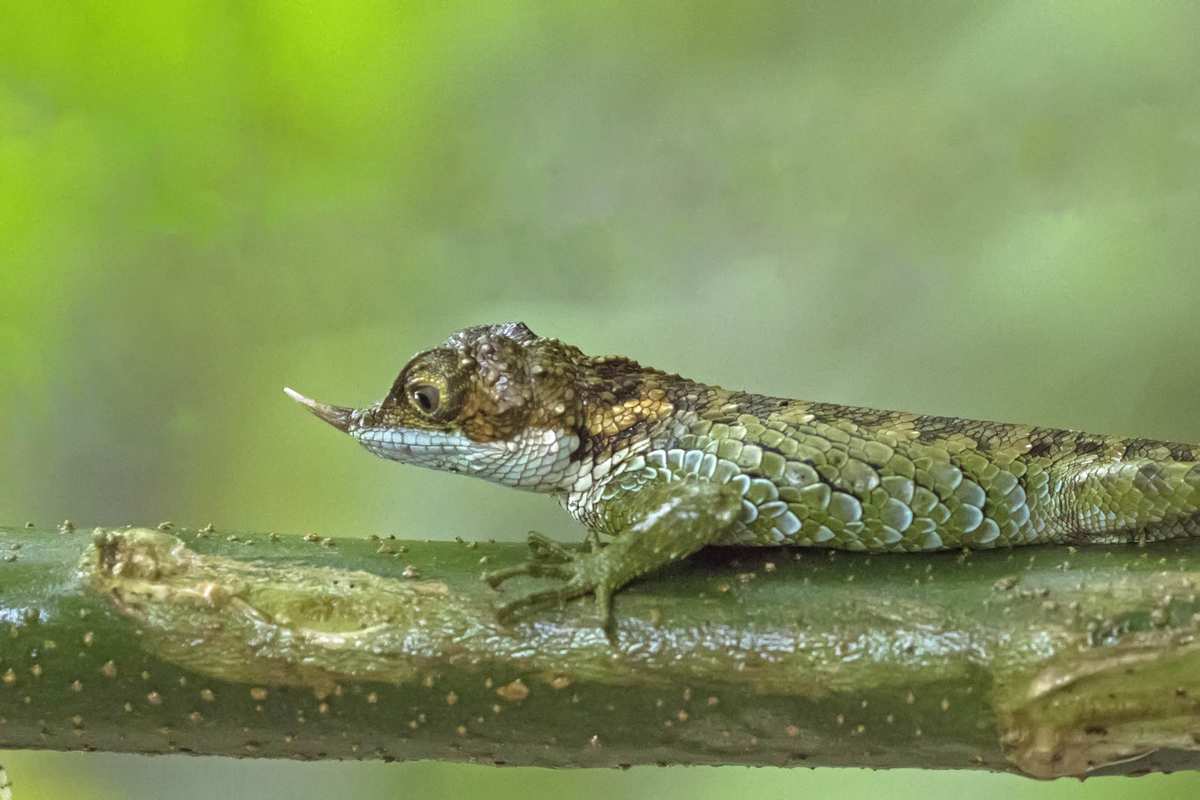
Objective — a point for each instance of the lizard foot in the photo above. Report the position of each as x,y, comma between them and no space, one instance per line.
663,523
582,573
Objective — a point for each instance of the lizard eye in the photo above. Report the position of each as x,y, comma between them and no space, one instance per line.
426,397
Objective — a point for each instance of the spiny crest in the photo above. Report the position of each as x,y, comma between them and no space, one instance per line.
518,332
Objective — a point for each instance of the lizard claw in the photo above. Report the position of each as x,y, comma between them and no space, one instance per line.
534,569
546,549
547,598
549,561
580,573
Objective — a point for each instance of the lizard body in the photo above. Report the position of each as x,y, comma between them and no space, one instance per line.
667,465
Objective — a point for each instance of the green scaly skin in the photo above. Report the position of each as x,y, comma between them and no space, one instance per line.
667,465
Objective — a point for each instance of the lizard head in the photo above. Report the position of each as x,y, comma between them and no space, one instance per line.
495,401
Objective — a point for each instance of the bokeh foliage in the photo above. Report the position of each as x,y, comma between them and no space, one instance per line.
975,209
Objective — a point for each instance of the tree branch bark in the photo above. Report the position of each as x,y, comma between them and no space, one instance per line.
1044,661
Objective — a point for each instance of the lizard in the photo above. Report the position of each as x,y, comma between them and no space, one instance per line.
657,466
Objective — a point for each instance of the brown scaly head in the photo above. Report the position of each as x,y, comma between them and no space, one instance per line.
494,401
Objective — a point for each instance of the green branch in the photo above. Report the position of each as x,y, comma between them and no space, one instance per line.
1046,661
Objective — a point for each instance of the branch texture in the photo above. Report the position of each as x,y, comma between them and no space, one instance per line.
1046,661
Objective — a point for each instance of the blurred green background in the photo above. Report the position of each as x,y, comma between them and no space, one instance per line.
979,209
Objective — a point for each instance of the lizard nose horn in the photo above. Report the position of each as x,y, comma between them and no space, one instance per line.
337,416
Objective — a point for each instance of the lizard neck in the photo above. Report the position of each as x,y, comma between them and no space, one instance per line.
643,411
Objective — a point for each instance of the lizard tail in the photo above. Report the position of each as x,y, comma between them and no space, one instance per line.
1140,499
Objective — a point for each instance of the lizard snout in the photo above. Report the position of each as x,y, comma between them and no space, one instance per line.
337,416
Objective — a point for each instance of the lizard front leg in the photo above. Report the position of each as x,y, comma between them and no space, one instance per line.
661,523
